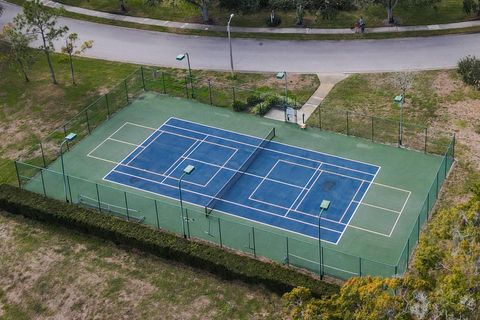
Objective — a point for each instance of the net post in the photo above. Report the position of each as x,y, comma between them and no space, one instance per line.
126,90
43,155
143,79
156,212
210,92
254,248
220,233
69,189
108,107
88,121
43,183
126,205
18,175
98,198
426,139
163,83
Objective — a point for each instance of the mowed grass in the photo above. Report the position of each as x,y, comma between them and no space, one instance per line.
446,11
29,111
48,271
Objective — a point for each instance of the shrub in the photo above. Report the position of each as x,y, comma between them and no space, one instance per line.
254,100
224,263
469,69
275,22
239,106
273,100
261,108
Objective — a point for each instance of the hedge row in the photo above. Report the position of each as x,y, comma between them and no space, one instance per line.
221,262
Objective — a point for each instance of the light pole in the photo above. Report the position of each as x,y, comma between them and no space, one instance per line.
400,99
230,44
68,138
180,57
188,170
323,207
280,76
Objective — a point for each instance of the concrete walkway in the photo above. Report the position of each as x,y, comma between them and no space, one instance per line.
196,26
327,82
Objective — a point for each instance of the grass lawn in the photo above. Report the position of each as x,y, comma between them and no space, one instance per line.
445,12
51,272
29,111
438,99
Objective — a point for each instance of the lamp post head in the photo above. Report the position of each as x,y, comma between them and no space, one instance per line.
188,169
398,99
281,75
325,204
70,137
180,57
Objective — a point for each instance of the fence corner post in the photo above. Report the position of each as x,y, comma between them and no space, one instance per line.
143,79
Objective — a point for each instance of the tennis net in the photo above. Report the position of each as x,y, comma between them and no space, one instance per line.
246,164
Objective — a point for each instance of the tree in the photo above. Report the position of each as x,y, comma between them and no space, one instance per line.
20,52
1,10
70,49
203,6
471,6
123,7
300,7
389,5
39,20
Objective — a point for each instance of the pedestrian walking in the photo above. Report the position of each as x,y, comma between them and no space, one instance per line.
361,23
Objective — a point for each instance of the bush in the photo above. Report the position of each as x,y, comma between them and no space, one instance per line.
277,20
208,257
239,106
254,100
469,69
261,109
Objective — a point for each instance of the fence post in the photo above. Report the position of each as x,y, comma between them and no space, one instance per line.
428,204
126,205
220,233
418,227
320,117
108,107
288,254
188,223
233,92
426,139
359,266
254,248
69,189
126,90
436,195
143,79
453,145
210,92
43,183
88,122
64,135
396,270
156,212
408,251
163,83
348,130
322,272
43,155
373,130
18,175
186,87
98,198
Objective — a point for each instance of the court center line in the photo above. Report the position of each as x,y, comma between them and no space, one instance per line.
314,182
261,181
304,188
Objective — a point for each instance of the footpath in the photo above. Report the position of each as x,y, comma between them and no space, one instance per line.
196,26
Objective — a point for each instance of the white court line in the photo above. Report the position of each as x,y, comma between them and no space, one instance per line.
304,188
94,149
324,265
263,179
246,135
125,142
281,152
398,218
306,193
378,207
351,201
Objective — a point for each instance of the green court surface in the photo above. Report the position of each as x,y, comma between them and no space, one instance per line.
378,240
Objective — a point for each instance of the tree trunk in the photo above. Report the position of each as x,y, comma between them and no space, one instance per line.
47,53
299,15
204,11
71,69
390,18
22,68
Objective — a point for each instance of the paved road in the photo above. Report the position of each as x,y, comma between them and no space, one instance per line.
156,48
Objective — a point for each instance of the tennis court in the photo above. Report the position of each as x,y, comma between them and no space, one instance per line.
256,179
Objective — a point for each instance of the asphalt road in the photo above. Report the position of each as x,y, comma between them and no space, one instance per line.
354,56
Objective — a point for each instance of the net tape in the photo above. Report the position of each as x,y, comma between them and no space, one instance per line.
246,164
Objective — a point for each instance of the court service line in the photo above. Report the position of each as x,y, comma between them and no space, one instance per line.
125,142
261,181
378,207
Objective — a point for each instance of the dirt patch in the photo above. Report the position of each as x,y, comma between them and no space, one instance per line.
444,84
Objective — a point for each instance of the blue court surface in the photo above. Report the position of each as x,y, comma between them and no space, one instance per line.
248,177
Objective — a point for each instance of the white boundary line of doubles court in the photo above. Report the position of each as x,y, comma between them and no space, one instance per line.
348,223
